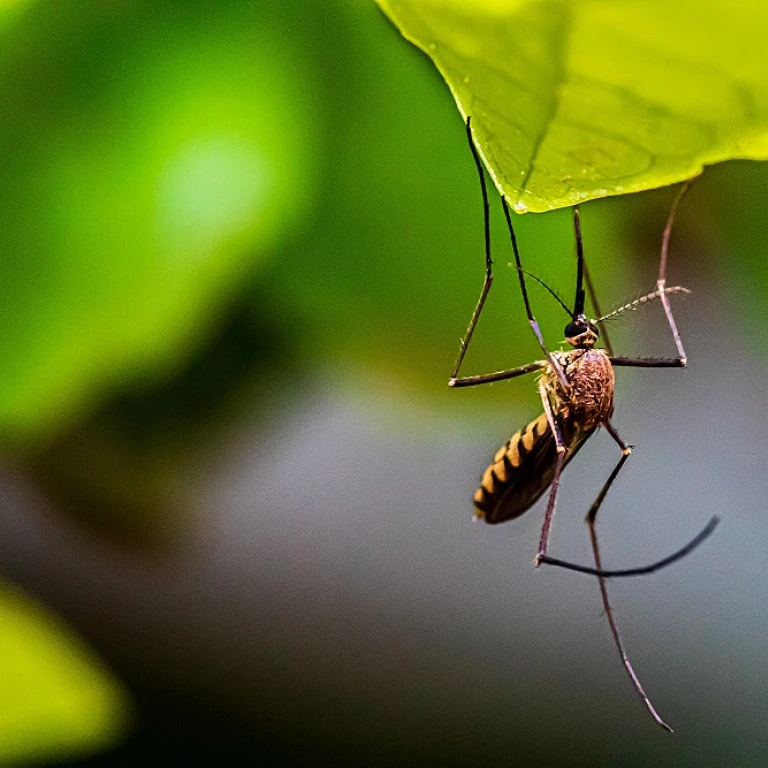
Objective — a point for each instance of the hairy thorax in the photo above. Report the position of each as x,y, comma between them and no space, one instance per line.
590,400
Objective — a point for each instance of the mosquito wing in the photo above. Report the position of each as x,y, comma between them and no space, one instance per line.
523,469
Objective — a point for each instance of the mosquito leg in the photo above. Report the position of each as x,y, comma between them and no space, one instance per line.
487,378
591,523
649,362
488,282
615,630
588,280
556,367
593,298
559,463
626,450
662,280
599,571
661,292
471,381
695,542
578,304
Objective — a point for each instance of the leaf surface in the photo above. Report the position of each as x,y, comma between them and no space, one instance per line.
575,100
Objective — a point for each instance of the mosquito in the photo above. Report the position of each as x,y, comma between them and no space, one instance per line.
577,392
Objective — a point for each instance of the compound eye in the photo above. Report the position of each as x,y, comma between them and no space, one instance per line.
576,329
572,330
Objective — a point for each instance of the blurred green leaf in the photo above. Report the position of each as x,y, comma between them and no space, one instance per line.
573,100
58,700
151,157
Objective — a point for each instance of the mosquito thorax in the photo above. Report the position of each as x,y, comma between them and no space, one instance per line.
581,333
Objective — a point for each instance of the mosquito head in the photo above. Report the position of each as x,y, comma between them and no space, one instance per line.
581,333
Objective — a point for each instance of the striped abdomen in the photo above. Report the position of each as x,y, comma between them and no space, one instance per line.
523,469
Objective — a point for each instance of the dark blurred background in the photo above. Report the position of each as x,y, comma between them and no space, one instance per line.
240,243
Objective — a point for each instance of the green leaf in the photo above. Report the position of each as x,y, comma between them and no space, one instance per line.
58,700
573,100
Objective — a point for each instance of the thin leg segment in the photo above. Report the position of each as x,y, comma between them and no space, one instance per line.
588,281
592,524
559,464
663,293
578,304
556,367
488,282
614,628
662,280
471,381
626,450
487,378
694,543
601,574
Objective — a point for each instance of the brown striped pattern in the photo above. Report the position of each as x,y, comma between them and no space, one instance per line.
522,470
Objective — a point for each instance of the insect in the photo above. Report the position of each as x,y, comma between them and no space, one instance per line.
577,393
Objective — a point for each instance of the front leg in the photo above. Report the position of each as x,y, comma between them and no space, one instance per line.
559,463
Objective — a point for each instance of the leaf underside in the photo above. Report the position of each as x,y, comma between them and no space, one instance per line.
573,100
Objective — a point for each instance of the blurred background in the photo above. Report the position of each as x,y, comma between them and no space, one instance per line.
240,245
